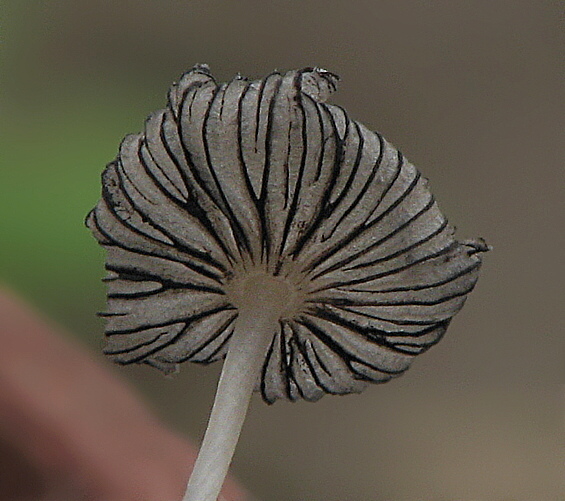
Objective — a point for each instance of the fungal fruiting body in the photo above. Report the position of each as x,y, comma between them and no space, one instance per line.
254,222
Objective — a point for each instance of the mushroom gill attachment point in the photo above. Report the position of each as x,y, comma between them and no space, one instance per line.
253,222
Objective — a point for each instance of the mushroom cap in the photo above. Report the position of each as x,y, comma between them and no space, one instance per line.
251,178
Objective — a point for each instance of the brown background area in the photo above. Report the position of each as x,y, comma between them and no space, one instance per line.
470,91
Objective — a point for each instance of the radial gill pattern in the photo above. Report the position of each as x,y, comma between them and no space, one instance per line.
262,176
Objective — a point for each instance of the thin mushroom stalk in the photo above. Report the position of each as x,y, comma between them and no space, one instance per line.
260,307
253,222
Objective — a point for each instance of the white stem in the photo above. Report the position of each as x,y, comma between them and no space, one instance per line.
254,330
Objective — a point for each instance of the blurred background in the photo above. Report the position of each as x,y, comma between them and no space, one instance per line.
470,91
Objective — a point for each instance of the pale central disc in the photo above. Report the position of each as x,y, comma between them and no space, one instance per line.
260,290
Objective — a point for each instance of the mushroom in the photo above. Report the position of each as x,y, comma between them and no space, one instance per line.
253,222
